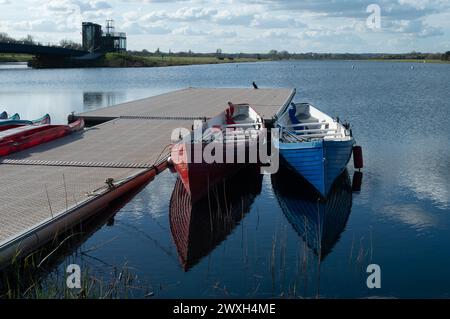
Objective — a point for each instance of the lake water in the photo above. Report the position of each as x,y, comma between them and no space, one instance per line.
257,246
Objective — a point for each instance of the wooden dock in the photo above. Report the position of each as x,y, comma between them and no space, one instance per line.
48,189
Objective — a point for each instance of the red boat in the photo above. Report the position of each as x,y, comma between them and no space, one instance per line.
228,138
24,137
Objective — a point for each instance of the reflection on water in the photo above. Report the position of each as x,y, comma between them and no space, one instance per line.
317,221
96,100
198,228
13,66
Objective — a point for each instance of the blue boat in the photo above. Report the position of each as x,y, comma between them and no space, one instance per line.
314,145
3,115
319,222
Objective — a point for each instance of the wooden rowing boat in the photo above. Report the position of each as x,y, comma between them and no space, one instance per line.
231,134
314,145
24,137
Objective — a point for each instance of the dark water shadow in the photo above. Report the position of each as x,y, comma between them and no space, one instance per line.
319,222
200,227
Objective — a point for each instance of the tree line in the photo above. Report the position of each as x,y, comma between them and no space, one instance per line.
271,55
285,55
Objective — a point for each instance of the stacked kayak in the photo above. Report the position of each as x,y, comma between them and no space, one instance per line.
26,136
15,121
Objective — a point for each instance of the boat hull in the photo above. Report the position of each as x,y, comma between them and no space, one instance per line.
199,177
319,162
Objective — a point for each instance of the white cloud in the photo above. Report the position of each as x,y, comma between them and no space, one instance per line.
242,25
270,21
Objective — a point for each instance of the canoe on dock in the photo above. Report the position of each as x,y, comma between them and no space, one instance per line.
27,136
229,136
4,121
314,145
15,120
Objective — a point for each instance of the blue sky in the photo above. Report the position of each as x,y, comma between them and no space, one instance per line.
241,26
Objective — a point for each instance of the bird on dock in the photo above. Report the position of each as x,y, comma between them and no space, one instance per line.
254,85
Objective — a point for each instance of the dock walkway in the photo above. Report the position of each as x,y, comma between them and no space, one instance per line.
49,188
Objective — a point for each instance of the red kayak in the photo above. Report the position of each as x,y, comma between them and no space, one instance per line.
24,137
198,174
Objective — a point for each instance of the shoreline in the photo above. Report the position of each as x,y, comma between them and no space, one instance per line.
120,60
411,61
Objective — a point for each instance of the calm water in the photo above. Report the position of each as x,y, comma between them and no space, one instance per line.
256,247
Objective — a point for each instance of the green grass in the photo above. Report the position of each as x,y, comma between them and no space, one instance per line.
38,276
128,60
15,57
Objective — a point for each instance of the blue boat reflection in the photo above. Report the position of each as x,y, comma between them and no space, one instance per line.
319,222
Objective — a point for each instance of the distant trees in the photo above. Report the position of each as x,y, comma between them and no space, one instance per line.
446,56
69,44
28,40
273,53
4,37
284,54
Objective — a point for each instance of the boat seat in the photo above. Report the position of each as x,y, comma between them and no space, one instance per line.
293,114
310,119
240,117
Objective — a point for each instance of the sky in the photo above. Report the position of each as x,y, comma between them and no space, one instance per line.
340,26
